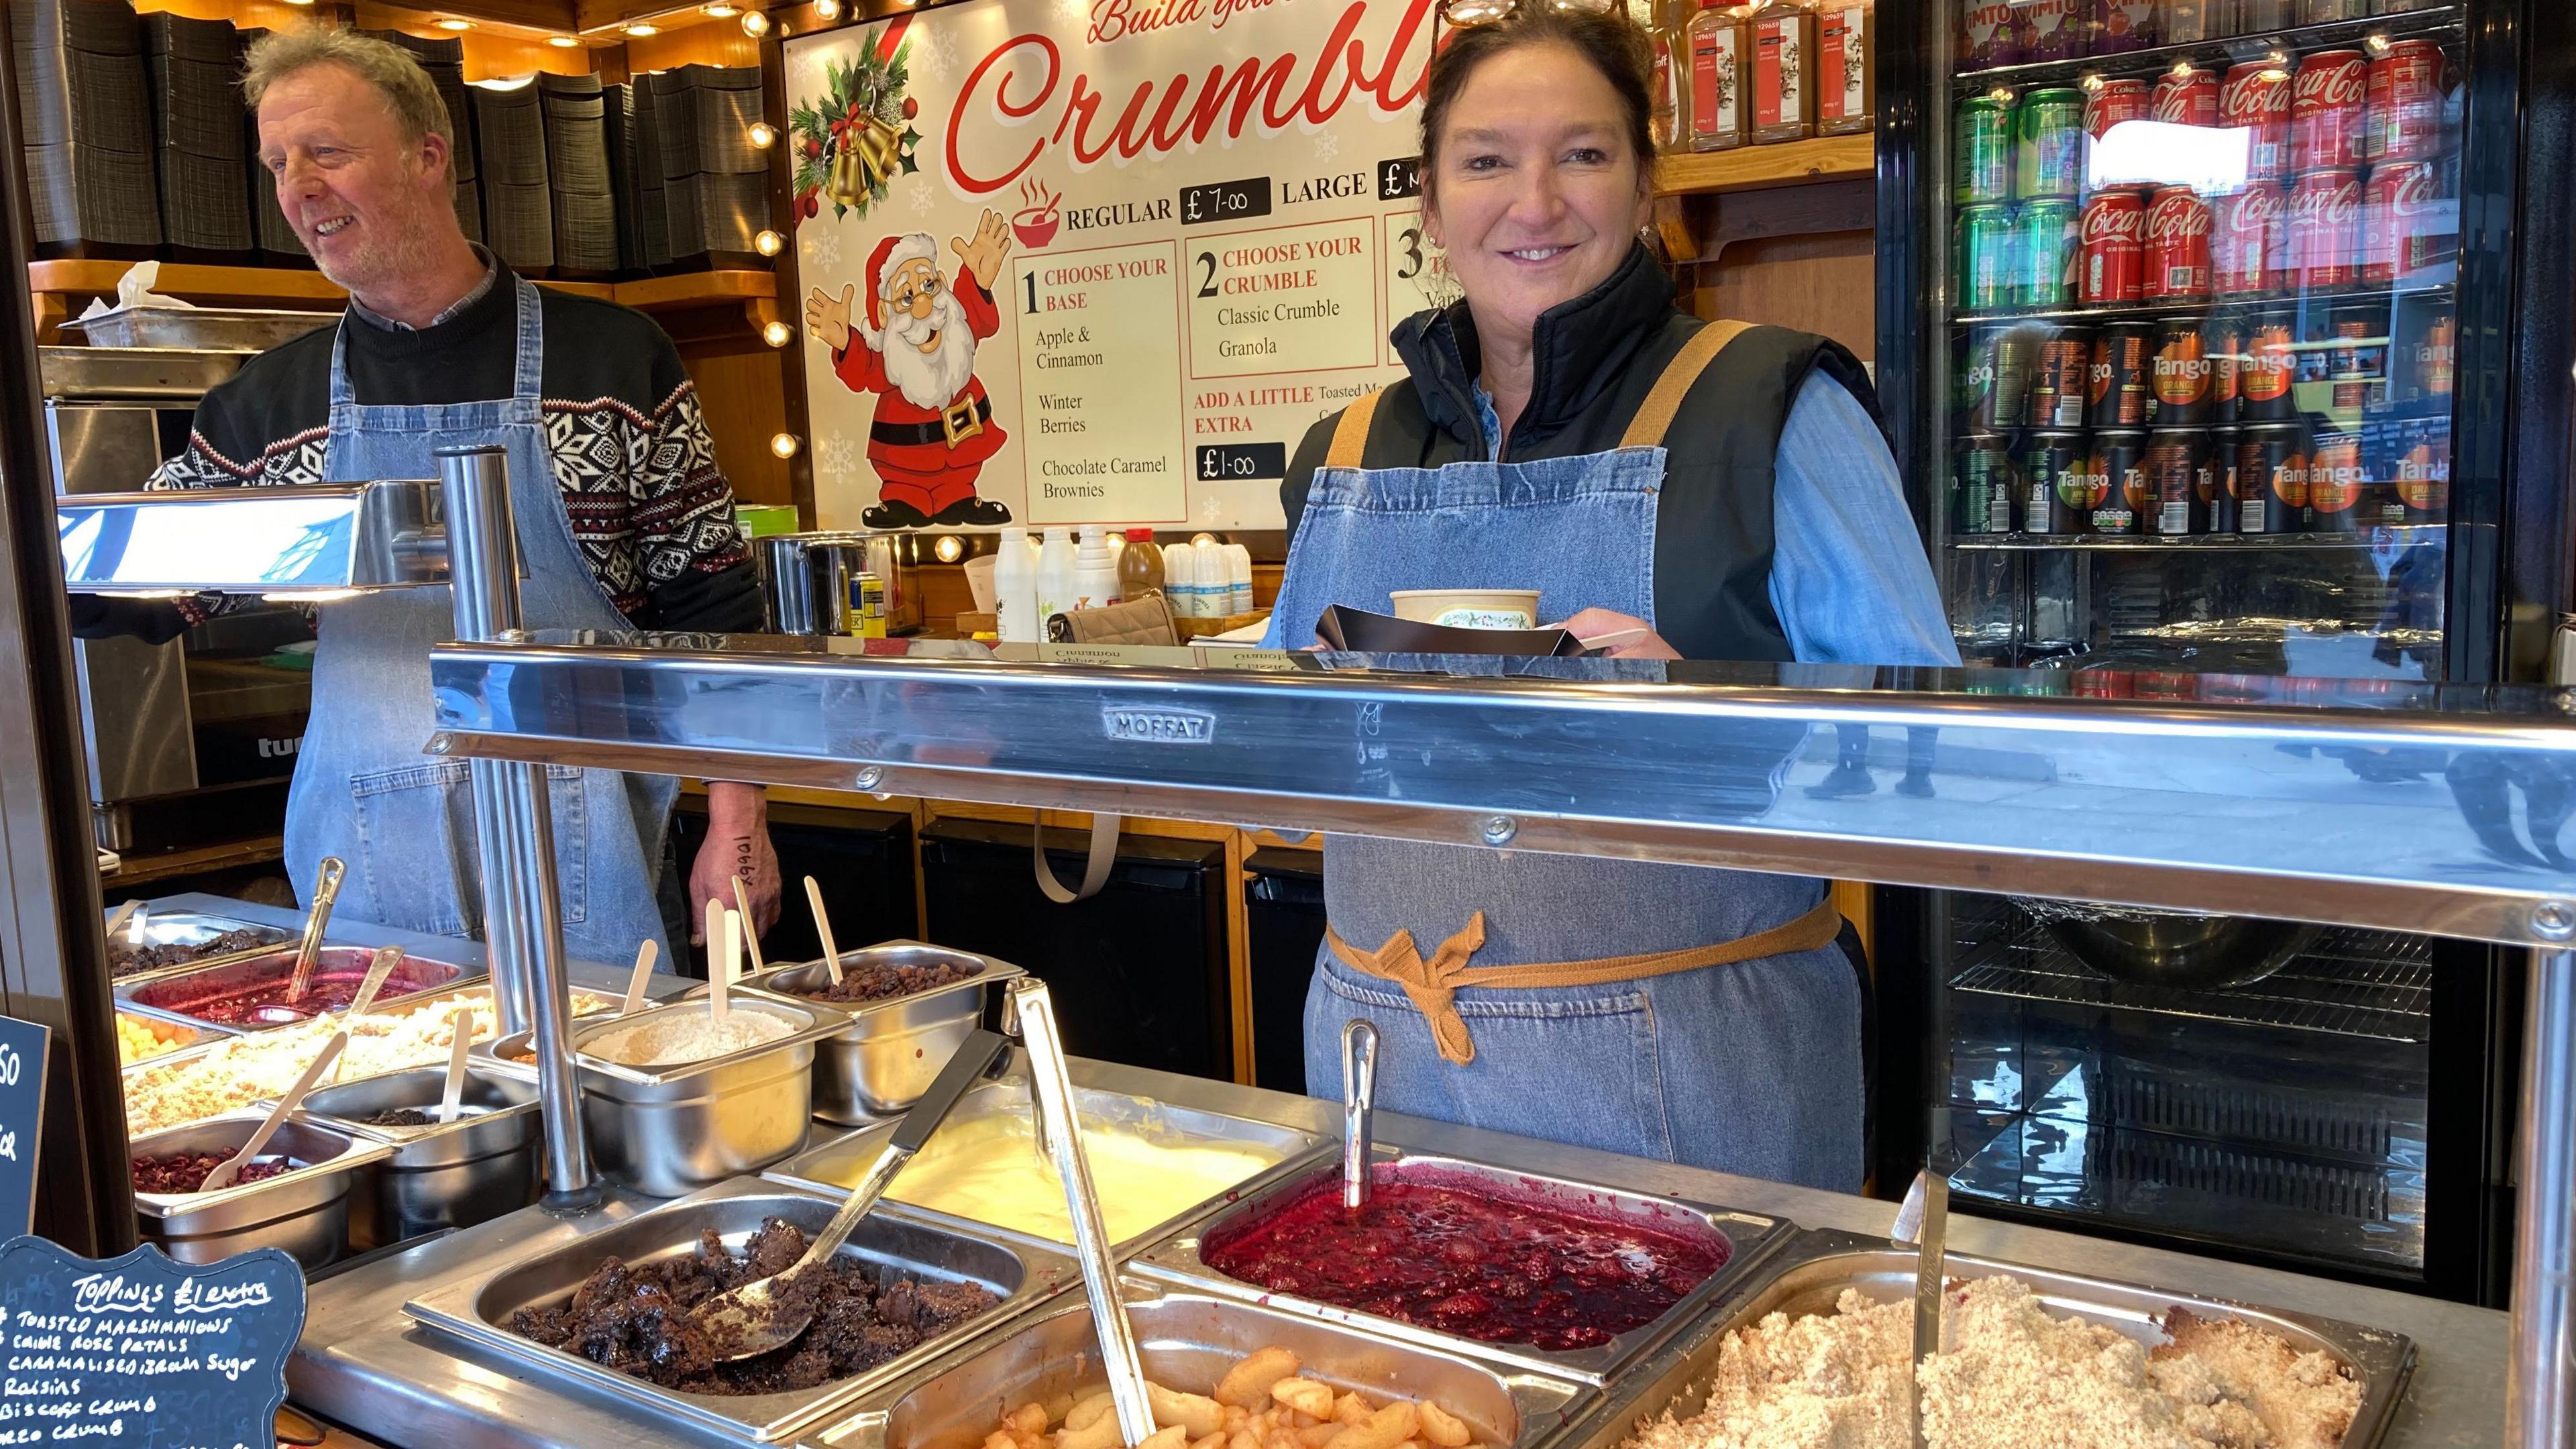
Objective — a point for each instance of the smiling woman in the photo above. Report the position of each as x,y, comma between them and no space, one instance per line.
1669,487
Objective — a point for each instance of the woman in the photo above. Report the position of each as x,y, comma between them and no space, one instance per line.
1522,452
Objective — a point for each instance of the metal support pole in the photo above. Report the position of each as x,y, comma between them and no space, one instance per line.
2540,1395
514,825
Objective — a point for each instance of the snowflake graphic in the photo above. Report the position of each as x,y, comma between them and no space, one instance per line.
1211,512
822,248
922,199
928,52
835,456
1326,143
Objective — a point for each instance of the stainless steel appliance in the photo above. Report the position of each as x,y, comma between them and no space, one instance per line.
807,577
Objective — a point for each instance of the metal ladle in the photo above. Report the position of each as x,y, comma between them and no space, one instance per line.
1029,1009
761,1316
326,889
1359,1101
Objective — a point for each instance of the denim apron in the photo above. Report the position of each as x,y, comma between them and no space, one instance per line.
363,791
1753,1067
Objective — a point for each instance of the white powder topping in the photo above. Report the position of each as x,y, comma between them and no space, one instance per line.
690,1037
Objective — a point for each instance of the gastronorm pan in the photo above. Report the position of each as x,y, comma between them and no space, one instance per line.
478,1309
885,1059
1744,1240
304,1211
149,927
444,1175
669,1130
180,994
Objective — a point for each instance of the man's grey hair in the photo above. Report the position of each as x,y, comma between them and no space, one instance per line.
392,70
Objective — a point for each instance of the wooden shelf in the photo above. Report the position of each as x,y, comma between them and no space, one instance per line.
1755,168
62,287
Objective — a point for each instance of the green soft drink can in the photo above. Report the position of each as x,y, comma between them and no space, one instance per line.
1983,253
2045,238
2048,144
1982,153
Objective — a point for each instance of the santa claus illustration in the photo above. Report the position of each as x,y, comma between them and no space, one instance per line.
915,349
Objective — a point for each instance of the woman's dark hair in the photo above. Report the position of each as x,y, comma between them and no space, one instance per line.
1608,40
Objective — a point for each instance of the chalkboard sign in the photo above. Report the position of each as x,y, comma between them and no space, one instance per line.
142,1352
22,1108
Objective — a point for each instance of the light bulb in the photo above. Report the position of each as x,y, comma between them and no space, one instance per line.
452,23
642,29
720,10
755,24
769,243
784,445
949,548
777,334
762,135
563,42
828,9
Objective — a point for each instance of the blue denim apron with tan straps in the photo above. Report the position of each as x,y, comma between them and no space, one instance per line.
402,821
1689,1014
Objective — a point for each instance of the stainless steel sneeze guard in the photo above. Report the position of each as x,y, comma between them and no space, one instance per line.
287,541
2400,806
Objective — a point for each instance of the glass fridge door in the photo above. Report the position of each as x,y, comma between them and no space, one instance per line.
2200,261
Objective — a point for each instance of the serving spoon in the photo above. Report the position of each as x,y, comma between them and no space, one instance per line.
326,890
761,1316
231,1167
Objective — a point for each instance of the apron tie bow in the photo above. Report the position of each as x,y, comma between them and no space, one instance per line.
1432,986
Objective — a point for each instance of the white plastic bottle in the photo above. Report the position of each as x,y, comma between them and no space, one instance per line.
1015,583
1180,579
1095,570
1215,595
1055,576
1238,578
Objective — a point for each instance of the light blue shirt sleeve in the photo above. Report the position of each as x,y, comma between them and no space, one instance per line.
1849,578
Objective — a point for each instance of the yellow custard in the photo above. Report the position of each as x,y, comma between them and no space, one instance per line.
987,1168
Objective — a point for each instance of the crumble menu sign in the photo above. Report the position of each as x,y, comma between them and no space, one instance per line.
1100,261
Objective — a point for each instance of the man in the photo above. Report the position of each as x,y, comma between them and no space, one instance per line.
623,518
933,428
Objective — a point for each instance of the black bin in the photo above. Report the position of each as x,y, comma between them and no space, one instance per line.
1284,920
1138,971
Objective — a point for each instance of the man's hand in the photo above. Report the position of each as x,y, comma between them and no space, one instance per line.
737,845
828,319
983,256
1594,624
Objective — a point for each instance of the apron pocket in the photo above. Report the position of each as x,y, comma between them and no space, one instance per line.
1580,1069
417,861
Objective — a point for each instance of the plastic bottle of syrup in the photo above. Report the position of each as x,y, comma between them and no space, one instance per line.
1238,579
1015,585
1181,579
1095,570
1140,566
1207,570
1056,581
1784,71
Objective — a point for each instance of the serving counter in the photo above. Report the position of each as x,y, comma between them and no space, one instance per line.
366,1363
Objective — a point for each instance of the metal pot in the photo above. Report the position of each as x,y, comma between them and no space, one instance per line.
671,1130
447,1175
882,1063
305,1212
2175,949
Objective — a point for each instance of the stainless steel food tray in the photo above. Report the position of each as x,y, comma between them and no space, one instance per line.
254,329
1187,1340
303,1212
189,928
478,1309
1751,1238
131,990
1810,1271
893,1047
835,1165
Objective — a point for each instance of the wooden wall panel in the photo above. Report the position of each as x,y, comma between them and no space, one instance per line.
1824,284
713,42
743,389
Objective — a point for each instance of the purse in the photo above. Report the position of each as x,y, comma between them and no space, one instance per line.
1134,621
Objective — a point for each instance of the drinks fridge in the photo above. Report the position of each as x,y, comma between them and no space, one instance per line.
2216,339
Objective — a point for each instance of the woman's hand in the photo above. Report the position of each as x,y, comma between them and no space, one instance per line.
1638,638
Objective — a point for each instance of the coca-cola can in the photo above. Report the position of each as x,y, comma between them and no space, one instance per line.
2255,99
2181,373
2056,29
2120,25
2329,101
2187,95
2397,209
2111,263
1989,34
2324,226
2178,224
2404,104
2109,102
2249,253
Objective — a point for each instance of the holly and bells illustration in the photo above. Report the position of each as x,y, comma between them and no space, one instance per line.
857,137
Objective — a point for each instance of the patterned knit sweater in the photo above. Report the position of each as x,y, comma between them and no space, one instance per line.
632,456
